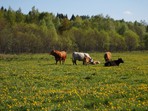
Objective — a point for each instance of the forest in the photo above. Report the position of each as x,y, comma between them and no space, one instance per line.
40,32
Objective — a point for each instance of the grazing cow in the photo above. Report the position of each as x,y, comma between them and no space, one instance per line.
85,57
59,55
88,60
107,56
114,62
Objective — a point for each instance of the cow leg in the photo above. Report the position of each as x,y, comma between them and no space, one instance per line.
56,61
74,62
83,62
63,61
60,61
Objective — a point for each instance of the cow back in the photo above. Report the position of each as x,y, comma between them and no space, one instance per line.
58,54
79,56
63,54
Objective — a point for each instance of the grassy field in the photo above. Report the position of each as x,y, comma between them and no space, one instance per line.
33,82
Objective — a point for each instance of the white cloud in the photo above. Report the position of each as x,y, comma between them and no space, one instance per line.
127,12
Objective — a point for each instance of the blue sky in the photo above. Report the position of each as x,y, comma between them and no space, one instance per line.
129,10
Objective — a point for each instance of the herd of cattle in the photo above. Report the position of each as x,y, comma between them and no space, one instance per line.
85,58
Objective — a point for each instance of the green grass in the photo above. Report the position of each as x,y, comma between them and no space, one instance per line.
34,82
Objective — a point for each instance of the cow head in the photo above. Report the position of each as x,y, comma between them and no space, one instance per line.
120,60
52,52
87,59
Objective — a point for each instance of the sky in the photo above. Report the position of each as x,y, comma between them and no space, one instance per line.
129,10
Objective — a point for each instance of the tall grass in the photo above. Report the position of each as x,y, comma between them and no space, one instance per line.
34,82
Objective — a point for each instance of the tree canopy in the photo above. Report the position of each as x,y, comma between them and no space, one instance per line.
38,32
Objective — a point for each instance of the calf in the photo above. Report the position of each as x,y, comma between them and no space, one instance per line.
95,62
114,62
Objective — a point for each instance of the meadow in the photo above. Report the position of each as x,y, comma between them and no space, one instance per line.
33,82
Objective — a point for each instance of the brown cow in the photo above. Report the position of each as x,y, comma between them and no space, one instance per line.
59,55
107,56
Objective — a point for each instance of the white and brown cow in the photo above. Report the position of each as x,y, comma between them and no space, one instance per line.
80,56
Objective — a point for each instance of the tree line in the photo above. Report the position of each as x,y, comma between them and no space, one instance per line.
39,32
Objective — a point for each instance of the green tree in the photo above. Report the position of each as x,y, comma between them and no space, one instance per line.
146,40
97,22
19,16
72,18
131,40
108,24
6,40
40,32
90,40
117,42
77,22
140,30
33,16
65,25
10,16
122,28
102,40
57,23
77,37
86,24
